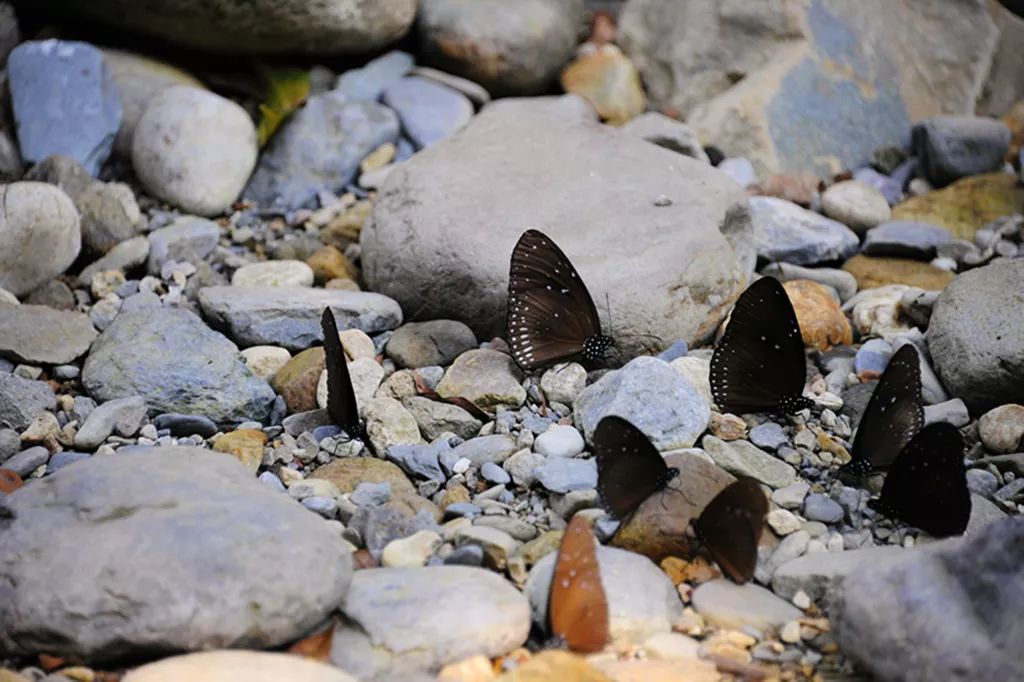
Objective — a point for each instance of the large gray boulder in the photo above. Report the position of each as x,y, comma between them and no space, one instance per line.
947,612
161,550
666,238
254,26
976,335
764,79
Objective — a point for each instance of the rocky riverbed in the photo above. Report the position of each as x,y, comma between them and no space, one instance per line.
175,503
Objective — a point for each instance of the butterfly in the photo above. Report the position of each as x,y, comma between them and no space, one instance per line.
578,607
730,527
341,399
759,364
893,416
551,316
629,468
926,486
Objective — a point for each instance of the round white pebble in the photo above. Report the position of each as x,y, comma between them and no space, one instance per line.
559,441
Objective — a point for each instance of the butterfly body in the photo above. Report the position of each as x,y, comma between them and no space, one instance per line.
551,316
759,365
926,486
629,468
341,399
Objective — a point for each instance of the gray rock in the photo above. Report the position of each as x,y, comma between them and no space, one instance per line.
726,604
785,232
370,81
982,482
319,149
290,316
743,458
188,238
476,93
423,244
27,461
792,496
669,133
819,507
820,574
44,336
857,205
420,460
769,436
975,339
64,101
64,172
104,527
873,356
428,110
1002,429
109,215
495,474
141,354
59,460
467,555
521,467
843,282
258,26
559,441
22,399
983,513
653,396
10,443
487,378
492,619
40,235
496,448
10,36
633,614
952,147
906,239
520,57
953,411
125,257
956,601
891,188
125,415
435,418
562,475
436,342
194,149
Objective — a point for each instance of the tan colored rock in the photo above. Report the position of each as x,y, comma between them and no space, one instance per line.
328,263
965,205
822,323
266,361
245,445
237,666
877,271
297,380
608,80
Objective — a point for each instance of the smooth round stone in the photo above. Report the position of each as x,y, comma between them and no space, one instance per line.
435,342
268,479
494,473
326,431
739,169
237,666
678,349
563,382
906,239
467,555
181,425
855,204
486,378
1002,428
265,361
465,509
59,460
818,507
769,436
410,551
274,273
783,521
324,506
873,356
40,235
982,482
792,496
429,111
194,149
559,441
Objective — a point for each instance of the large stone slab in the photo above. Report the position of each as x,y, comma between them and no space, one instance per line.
666,238
161,550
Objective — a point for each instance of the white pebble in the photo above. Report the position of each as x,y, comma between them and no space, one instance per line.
559,441
790,632
801,600
461,466
783,521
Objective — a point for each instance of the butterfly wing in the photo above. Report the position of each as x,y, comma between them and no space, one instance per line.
578,607
341,399
927,484
550,311
759,364
629,468
730,527
893,416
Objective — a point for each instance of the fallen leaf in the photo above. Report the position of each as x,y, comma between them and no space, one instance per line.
316,646
578,607
9,481
286,91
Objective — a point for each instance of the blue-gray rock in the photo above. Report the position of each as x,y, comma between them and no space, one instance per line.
420,460
379,525
41,335
460,509
290,316
495,448
495,474
59,460
319,149
141,353
976,334
785,232
818,507
27,461
66,372
958,601
429,111
562,475
1010,492
324,506
952,411
434,342
369,494
653,396
10,443
65,102
678,349
873,356
82,408
22,399
182,425
102,528
189,238
125,415
906,239
270,480
467,555
769,436
952,147
982,482
742,458
373,78
459,612
890,188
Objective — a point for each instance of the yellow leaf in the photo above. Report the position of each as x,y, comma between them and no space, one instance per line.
286,91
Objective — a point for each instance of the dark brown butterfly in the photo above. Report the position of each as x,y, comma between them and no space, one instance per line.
730,527
893,416
577,606
926,486
759,364
629,468
341,399
551,316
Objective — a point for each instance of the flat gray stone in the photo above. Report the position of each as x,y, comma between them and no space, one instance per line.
290,316
28,460
44,336
785,232
724,603
743,458
906,239
126,256
188,238
22,399
402,621
495,448
563,475
122,414
424,344
103,529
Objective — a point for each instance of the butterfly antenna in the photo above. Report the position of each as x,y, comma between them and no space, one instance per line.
608,307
